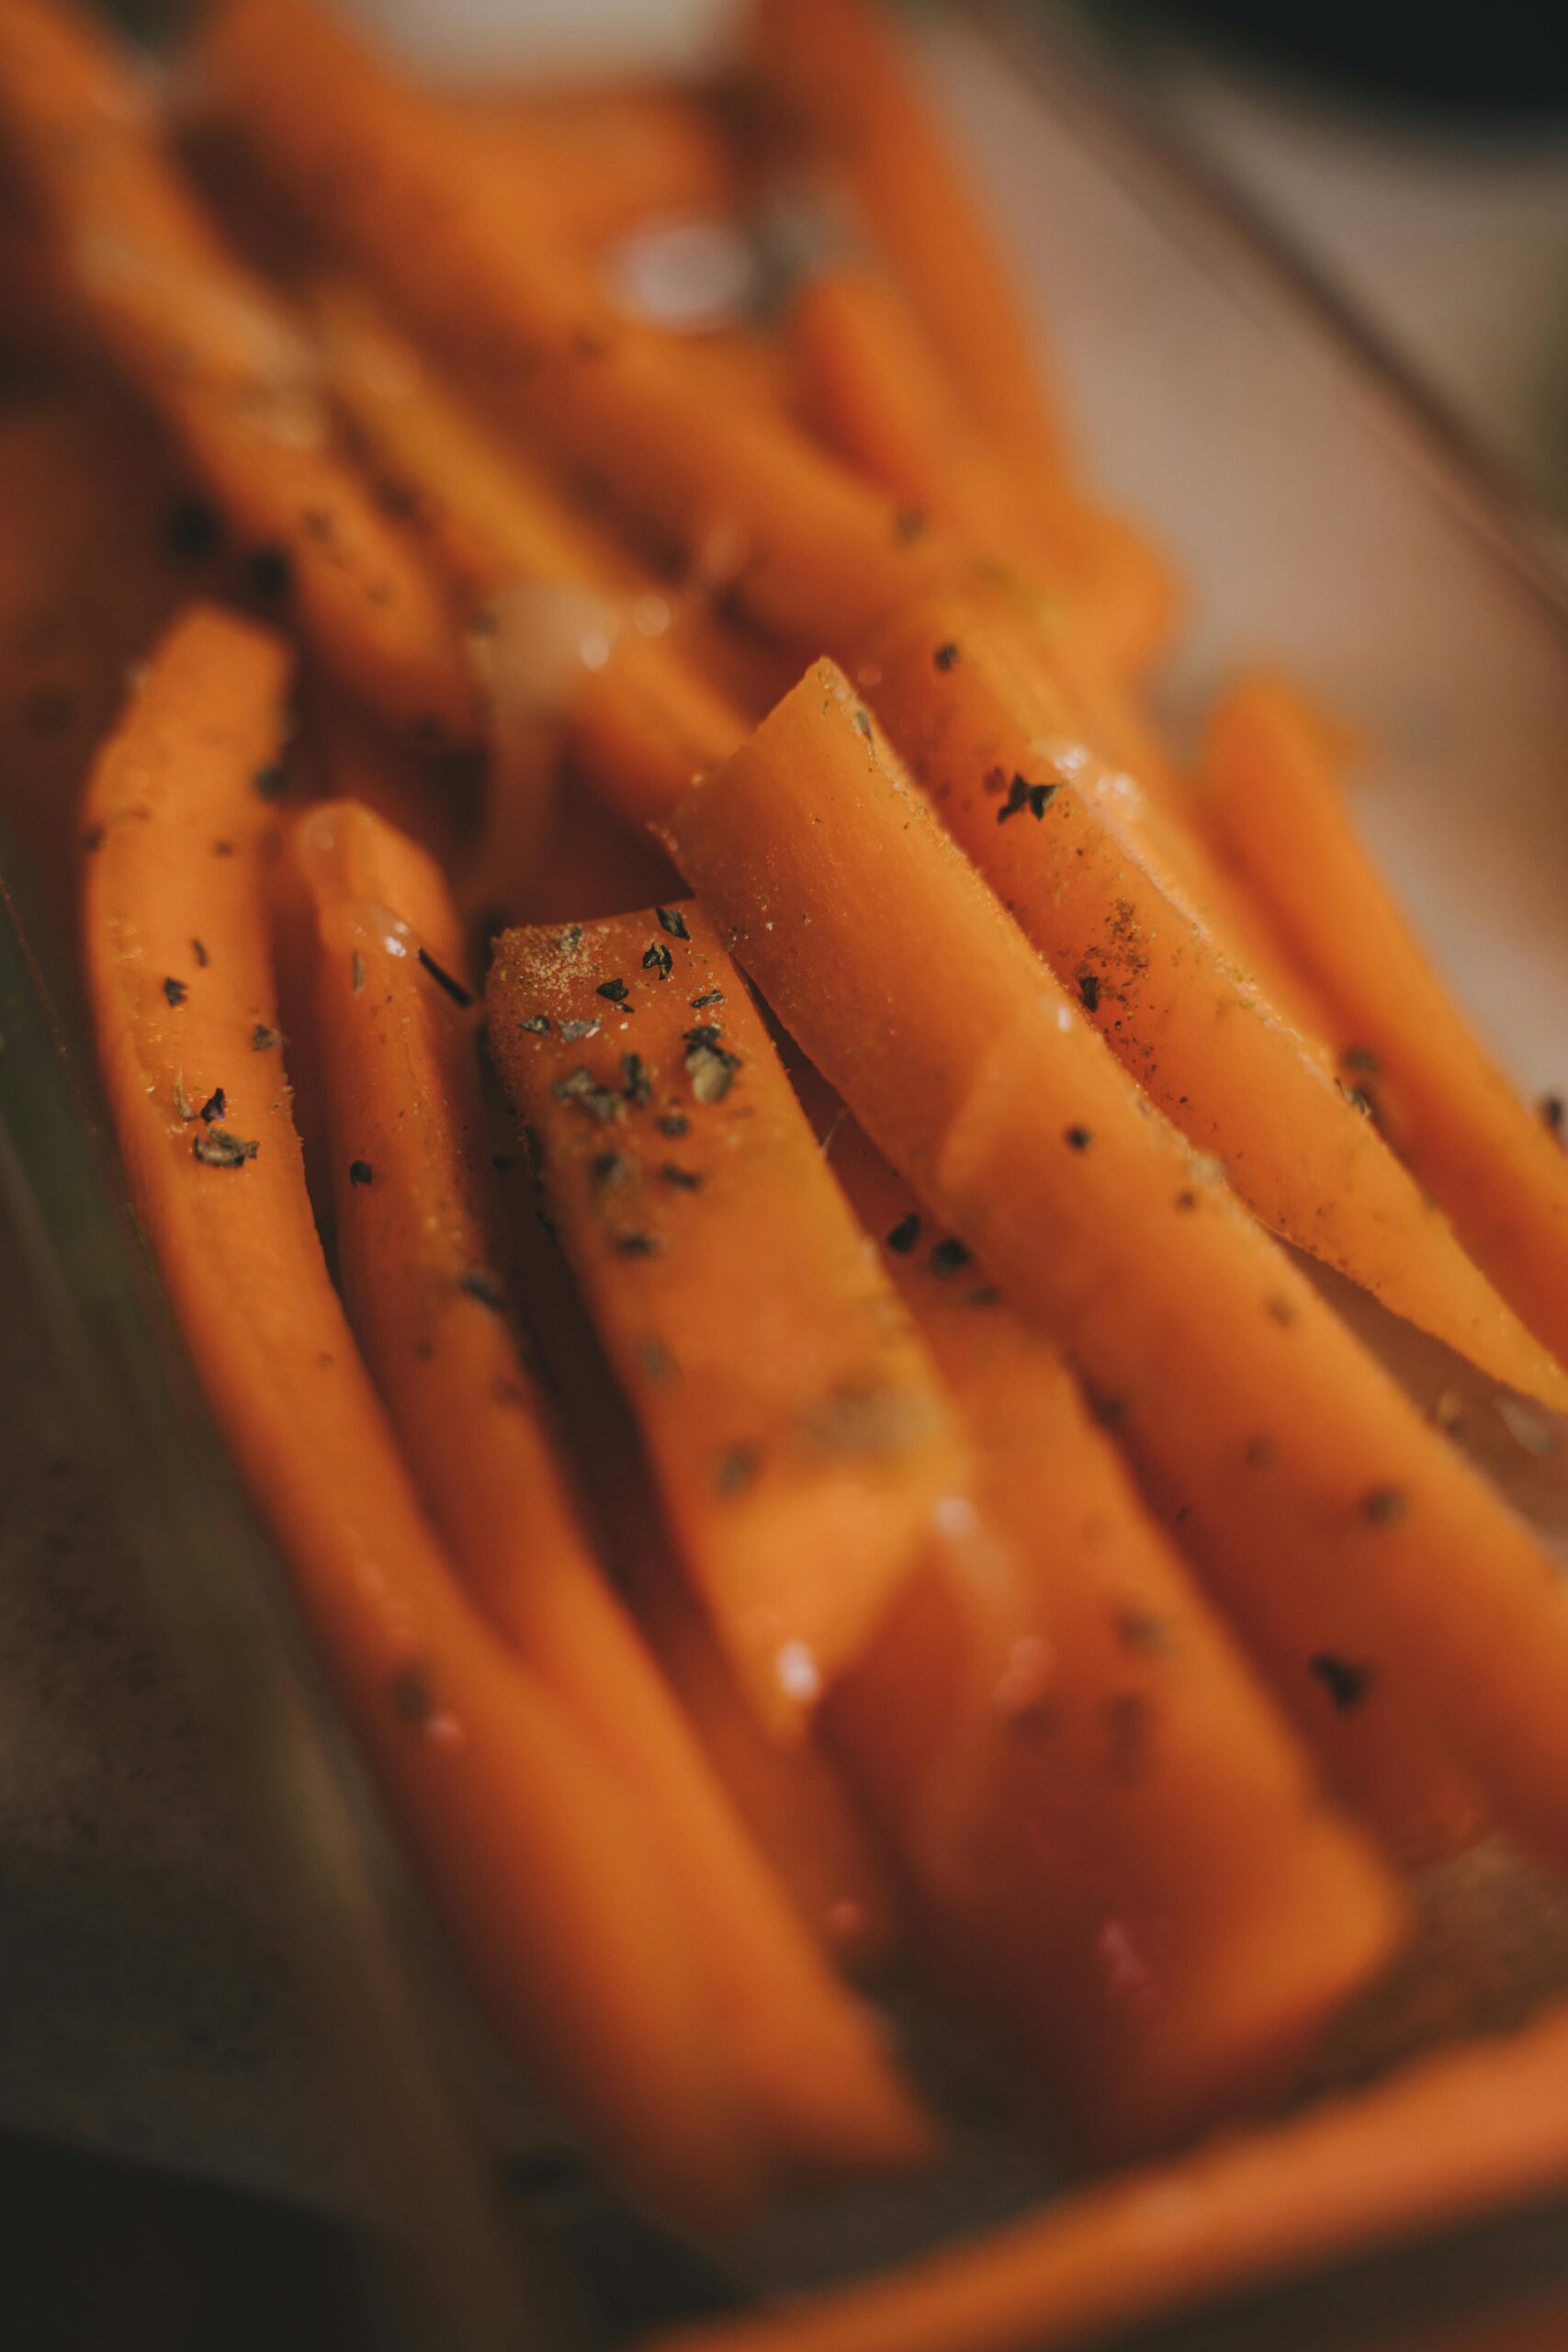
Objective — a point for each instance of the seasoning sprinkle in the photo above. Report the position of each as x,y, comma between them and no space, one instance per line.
183,1104
672,920
538,1024
685,1180
635,1245
1079,1139
443,978
710,996
270,781
480,1284
905,1234
176,991
581,1086
1381,1506
1361,1058
613,990
945,656
636,1085
673,1123
1022,794
264,1037
573,1031
949,1255
735,1469
710,1068
215,1109
1345,1684
1553,1115
1089,992
656,957
200,952
608,1168
218,1148
360,1171
570,939
356,971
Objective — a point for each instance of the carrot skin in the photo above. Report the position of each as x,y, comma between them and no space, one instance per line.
536,1864
1339,1530
798,1435
1270,796
1064,843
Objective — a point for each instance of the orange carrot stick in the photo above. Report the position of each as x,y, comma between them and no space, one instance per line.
215,352
791,1797
1373,1573
1464,2132
840,71
1272,799
876,390
1131,1876
843,75
811,552
1065,844
418,1225
538,1864
603,159
799,1437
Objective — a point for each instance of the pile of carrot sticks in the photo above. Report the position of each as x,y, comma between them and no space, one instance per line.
718,1113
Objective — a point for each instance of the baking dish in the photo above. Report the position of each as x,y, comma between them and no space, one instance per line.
1314,521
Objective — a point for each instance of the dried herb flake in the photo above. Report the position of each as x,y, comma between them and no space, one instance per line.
443,978
218,1148
672,920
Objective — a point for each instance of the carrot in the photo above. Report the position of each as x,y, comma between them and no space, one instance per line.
603,159
797,1433
1125,1865
77,602
537,1862
608,658
418,1224
875,391
1400,1607
838,69
1462,2132
1269,791
811,552
216,353
791,1797
1064,843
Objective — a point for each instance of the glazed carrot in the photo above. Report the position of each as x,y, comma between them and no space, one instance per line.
874,389
1383,1584
1269,789
799,1438
218,356
611,662
841,71
539,1866
1064,844
791,1796
418,1225
1460,2132
810,552
604,160
1125,1866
